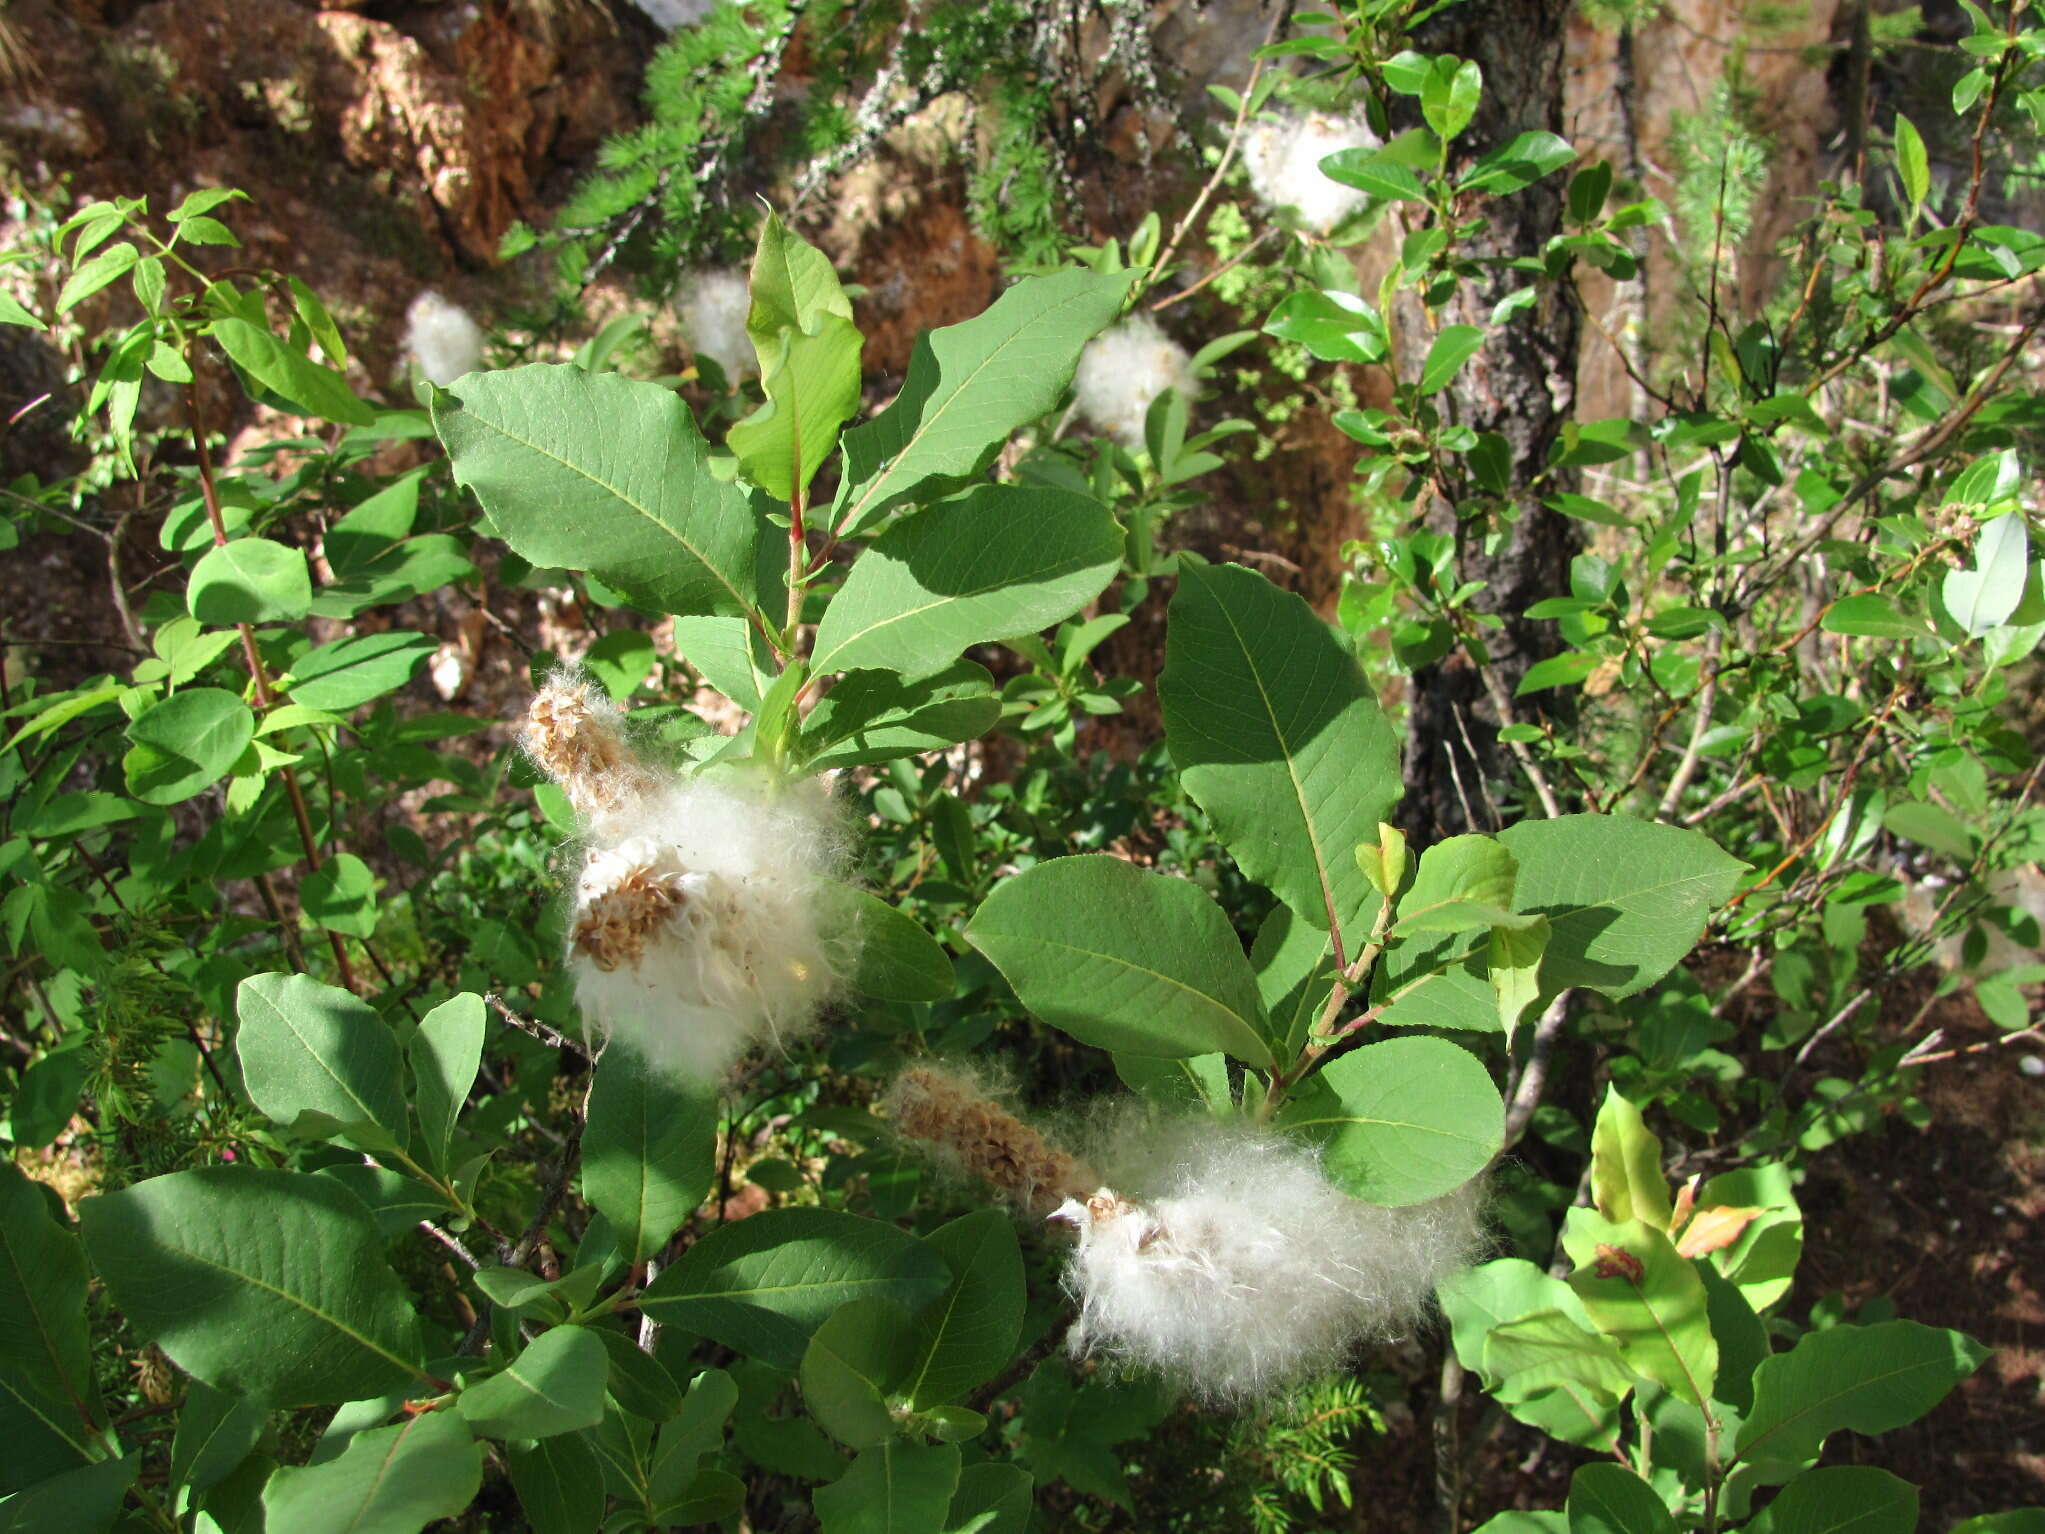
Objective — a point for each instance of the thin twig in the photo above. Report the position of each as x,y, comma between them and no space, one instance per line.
1533,1078
526,1025
1818,1036
259,677
1707,700
1501,703
1228,153
2033,1034
445,1239
1227,266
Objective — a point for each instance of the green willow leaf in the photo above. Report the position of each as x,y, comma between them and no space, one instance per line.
47,1396
851,1367
349,672
1844,1499
183,745
1454,346
898,960
395,1480
559,1482
1403,1121
340,895
1983,597
216,1432
81,1501
1913,165
1547,1348
1462,882
870,717
998,560
250,580
994,1492
291,376
649,1152
1646,1298
1278,738
763,1285
1124,959
599,472
446,1053
1869,1379
1627,1182
555,1386
1625,899
897,1488
801,327
1873,617
967,1334
1611,1499
319,1061
969,386
1518,164
268,1285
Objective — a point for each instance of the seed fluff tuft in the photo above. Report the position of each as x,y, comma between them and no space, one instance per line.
1238,1270
1284,161
1122,370
714,308
441,339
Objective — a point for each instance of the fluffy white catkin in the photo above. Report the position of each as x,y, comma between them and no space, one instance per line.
714,309
1237,1269
1122,370
441,339
706,918
1284,161
708,926
575,734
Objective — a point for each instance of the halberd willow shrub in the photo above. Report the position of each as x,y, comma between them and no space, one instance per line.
1317,1105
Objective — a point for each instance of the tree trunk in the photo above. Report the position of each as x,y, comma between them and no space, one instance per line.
1522,386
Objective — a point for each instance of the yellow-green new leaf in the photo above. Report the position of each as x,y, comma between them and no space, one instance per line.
801,327
1645,1298
1626,1166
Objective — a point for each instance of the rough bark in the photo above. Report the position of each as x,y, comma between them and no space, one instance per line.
1522,386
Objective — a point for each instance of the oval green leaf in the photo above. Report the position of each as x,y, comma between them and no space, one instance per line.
1403,1121
1136,962
898,960
185,743
555,1386
250,580
1869,1379
320,1061
395,1480
967,1334
851,1365
604,473
997,561
1626,899
340,895
269,1285
648,1154
765,1284
349,672
293,377
1278,738
969,385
